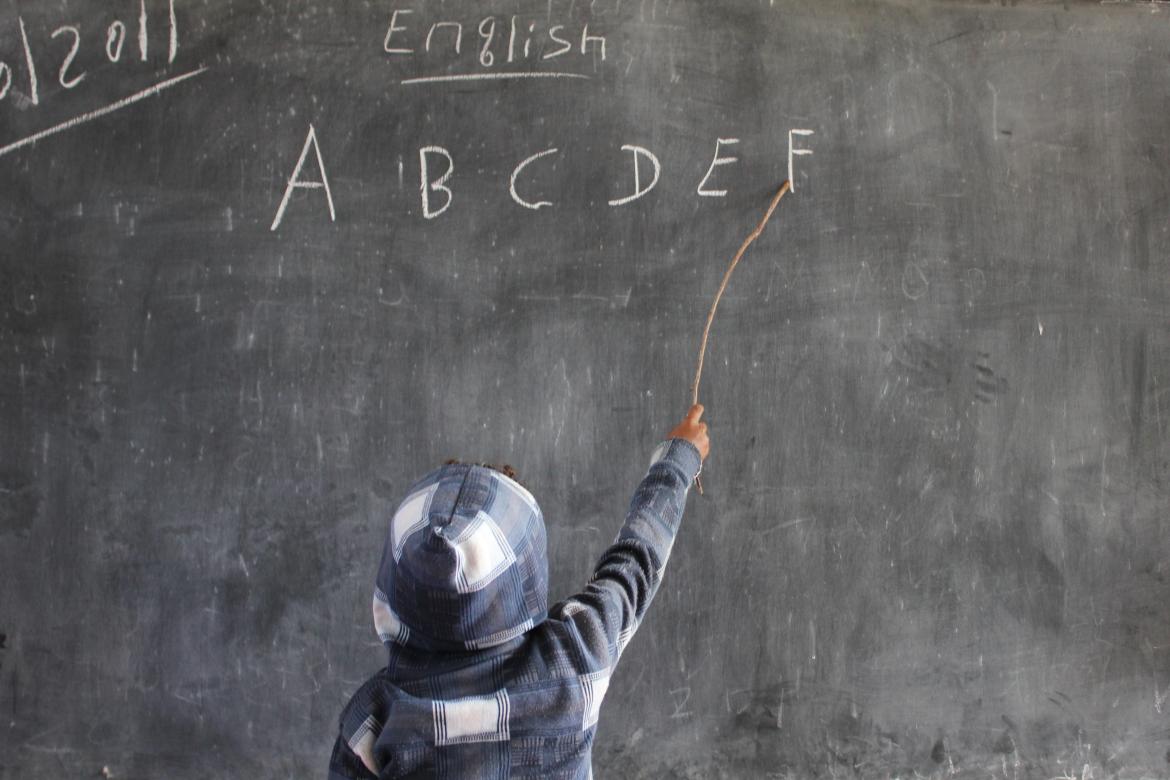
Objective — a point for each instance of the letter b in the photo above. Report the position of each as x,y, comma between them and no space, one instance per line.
438,185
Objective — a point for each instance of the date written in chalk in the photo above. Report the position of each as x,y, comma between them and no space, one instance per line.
60,56
437,182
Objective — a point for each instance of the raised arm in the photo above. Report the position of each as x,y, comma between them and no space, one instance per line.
608,611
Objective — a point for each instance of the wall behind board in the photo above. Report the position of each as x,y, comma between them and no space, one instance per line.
934,538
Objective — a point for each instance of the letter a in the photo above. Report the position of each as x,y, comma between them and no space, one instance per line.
295,182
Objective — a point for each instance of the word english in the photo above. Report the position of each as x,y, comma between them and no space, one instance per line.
494,41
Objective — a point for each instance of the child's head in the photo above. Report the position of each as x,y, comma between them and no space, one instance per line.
465,562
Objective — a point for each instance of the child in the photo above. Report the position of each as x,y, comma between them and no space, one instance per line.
483,680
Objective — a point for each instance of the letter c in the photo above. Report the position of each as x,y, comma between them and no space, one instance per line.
512,183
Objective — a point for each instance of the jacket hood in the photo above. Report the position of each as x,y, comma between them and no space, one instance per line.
465,564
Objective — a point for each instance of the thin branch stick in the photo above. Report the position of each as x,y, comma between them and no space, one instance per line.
723,286
726,278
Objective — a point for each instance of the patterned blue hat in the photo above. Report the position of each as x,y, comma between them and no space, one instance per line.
465,565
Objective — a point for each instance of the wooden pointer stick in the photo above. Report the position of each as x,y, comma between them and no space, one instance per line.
723,286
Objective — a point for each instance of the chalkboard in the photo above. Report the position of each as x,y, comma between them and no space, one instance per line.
264,263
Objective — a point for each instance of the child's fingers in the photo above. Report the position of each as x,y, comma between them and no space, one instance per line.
695,413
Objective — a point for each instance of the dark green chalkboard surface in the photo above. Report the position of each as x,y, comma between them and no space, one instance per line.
264,263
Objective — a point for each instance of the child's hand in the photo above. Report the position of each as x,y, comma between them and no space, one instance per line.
693,431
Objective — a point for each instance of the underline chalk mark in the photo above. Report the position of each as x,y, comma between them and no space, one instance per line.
78,120
495,76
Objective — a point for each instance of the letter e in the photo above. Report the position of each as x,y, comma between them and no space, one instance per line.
717,161
393,29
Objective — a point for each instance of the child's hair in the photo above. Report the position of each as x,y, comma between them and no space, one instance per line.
504,468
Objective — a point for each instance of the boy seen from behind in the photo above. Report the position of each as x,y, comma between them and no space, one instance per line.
484,680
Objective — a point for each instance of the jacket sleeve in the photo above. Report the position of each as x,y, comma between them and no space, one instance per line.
361,721
608,611
344,764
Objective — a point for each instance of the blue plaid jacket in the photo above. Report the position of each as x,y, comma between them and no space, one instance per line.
483,680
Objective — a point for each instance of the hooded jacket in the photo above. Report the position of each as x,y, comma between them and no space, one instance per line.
483,680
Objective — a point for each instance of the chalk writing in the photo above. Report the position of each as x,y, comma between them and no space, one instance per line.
436,169
86,117
487,31
639,190
515,173
716,162
395,28
499,40
438,185
111,40
69,83
456,26
33,92
499,75
115,40
794,152
295,181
